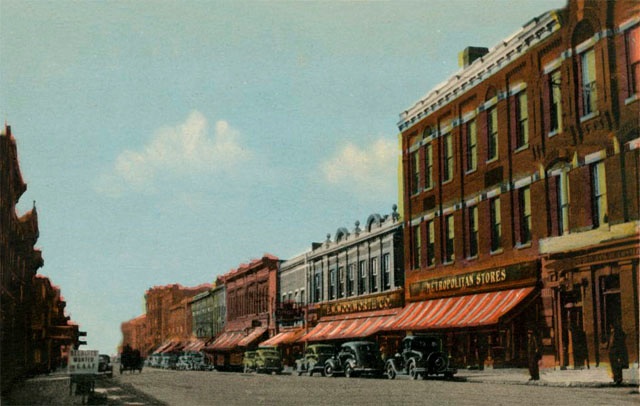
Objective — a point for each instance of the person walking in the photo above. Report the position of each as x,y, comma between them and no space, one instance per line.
533,355
618,356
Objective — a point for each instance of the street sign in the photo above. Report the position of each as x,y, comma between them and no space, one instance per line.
83,362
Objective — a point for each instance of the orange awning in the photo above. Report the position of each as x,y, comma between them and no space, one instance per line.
482,309
226,341
356,325
251,337
285,337
162,347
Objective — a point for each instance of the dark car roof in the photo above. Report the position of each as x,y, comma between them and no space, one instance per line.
357,343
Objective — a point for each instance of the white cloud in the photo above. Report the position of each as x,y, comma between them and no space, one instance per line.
185,149
370,171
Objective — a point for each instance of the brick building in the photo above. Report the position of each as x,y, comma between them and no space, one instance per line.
134,334
520,177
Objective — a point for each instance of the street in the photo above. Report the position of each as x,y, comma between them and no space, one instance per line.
200,388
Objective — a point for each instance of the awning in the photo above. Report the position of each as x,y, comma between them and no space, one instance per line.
481,309
162,347
173,346
252,336
226,341
356,325
283,338
195,345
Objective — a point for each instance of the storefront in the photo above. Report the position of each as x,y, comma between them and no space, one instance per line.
228,348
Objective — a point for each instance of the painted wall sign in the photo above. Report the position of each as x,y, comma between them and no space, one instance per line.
377,302
83,362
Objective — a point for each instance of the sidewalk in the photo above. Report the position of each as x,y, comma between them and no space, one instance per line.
592,377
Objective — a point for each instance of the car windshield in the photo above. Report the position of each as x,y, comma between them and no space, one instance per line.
425,344
370,348
324,350
268,353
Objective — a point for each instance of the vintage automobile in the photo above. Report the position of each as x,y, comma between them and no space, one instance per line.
249,361
356,358
268,361
169,361
314,358
104,365
422,355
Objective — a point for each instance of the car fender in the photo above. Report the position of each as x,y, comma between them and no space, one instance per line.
335,364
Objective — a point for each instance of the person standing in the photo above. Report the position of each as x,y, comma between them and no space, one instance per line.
618,356
533,355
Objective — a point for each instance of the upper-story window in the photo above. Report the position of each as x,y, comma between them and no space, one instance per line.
632,40
417,247
496,224
492,133
341,282
332,283
415,172
373,277
431,243
472,218
386,272
428,166
351,274
447,145
449,233
562,198
522,120
599,194
472,146
555,103
362,277
524,203
588,82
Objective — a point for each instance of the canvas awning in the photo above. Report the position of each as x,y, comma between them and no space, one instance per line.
482,309
252,337
357,325
232,339
283,338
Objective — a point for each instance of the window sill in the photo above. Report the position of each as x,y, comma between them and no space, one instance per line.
472,258
492,160
553,133
632,99
470,171
525,245
497,252
428,189
447,263
522,148
589,116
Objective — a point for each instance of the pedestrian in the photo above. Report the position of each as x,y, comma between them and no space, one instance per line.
533,355
618,356
482,349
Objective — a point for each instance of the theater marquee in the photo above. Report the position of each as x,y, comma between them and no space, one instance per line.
474,282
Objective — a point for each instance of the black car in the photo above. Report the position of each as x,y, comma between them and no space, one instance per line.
104,365
422,355
356,358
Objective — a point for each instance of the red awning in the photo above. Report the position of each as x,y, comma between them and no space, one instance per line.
285,337
226,341
482,309
173,346
356,325
251,337
195,345
162,347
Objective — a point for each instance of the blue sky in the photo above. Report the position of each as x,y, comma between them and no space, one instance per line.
169,142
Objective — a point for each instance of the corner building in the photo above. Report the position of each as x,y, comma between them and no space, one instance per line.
520,177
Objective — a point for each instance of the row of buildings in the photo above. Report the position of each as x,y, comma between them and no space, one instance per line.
36,333
519,210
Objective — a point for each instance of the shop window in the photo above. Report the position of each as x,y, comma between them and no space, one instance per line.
524,203
428,161
431,243
610,305
417,247
555,102
472,146
386,272
522,120
492,134
449,238
632,39
447,145
599,197
472,218
373,280
496,224
415,172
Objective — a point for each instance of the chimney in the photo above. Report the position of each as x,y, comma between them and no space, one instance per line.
470,54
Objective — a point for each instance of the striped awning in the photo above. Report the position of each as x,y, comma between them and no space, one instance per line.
481,309
358,325
252,337
163,347
283,338
194,345
226,341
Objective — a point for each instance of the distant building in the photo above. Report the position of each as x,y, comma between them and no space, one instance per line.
202,314
218,295
134,334
520,182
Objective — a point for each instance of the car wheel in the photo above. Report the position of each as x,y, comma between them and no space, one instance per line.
348,371
328,370
391,372
413,371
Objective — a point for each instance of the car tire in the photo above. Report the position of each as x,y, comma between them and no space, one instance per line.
391,371
413,370
328,370
348,371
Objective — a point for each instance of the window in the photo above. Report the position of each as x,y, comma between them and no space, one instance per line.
362,276
632,38
317,287
351,279
472,146
417,247
415,172
496,224
373,280
562,192
386,272
492,134
449,238
431,243
332,284
524,200
473,230
522,120
447,145
341,282
428,160
588,82
555,104
599,188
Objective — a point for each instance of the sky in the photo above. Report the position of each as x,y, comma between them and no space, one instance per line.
169,142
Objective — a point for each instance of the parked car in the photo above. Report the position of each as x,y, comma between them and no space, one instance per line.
355,358
184,363
169,361
155,360
314,358
422,355
268,360
249,361
104,365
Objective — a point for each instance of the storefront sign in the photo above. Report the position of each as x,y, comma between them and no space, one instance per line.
369,303
632,252
474,281
83,362
289,312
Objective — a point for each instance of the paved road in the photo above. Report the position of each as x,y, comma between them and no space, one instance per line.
206,388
